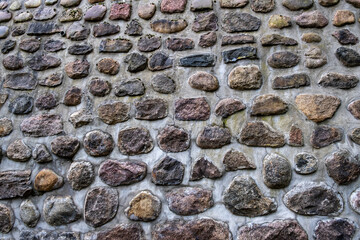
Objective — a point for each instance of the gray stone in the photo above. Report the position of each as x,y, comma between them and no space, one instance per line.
315,58
237,54
54,45
159,61
212,137
345,37
207,21
199,60
42,125
151,109
245,78
324,136
312,19
192,109
296,80
77,32
7,218
235,160
149,43
305,163
179,44
18,151
168,172
354,200
20,81
262,6
129,231
340,228
284,59
277,39
131,87
80,175
70,15
199,5
98,143
348,57
114,112
43,62
23,104
228,106
60,210
8,46
79,49
15,184
41,154
134,28
276,171
268,104
65,146
46,28
6,126
46,101
337,80
13,62
163,84
43,14
233,22
115,46
95,13
173,139
105,29
295,5
29,213
99,88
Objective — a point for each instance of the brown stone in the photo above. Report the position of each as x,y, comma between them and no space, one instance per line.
98,143
149,43
354,108
355,135
324,136
73,96
345,37
15,183
204,81
53,80
179,44
268,104
147,10
105,29
108,66
151,109
77,69
208,40
228,106
284,59
144,207
343,17
192,109
206,21
262,6
47,180
173,139
20,81
7,218
13,62
277,39
30,45
134,141
337,80
129,231
296,138
204,169
65,146
235,160
245,78
312,19
296,80
168,26
311,37
6,126
113,113
99,88
46,102
212,137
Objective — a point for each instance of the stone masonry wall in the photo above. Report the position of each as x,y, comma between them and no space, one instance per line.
176,119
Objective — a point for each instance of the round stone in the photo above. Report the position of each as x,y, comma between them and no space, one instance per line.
276,171
80,175
108,66
6,126
204,81
168,171
134,141
98,143
305,163
29,213
47,180
60,210
77,69
99,88
65,146
73,96
7,218
163,84
18,151
114,112
245,78
13,62
144,207
173,139
23,104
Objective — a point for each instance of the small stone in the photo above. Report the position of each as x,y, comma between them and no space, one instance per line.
7,218
23,17
65,146
311,37
337,80
335,228
120,11
99,88
18,31
278,229
8,46
73,96
60,210
291,81
79,49
20,81
135,141
324,136
179,44
310,198
4,31
3,98
101,204
29,213
279,21
315,58
13,62
131,87
243,53
43,14
30,45
212,137
136,62
18,151
50,2
199,5
146,10
5,16
235,160
47,180
151,109
260,134
348,57
355,3
240,22
206,21
199,60
276,171
114,112
98,143
277,39
305,163
328,3
355,135
15,184
42,125
317,107
71,15
345,37
354,200
244,198
262,6
117,173
80,118
70,3
312,19
105,29
283,60
41,154
77,32
204,81
171,6
163,84
95,13
228,106
43,62
343,17
149,43
108,66
208,40
16,5
144,207
204,169
192,109
77,69
295,5
168,26
188,201
43,28
80,175
342,167
115,46
168,172
6,126
23,104
245,78
160,61
296,138
46,102
54,45
123,231
233,3
268,104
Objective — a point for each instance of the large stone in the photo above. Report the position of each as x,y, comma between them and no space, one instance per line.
192,109
73,96
120,11
101,205
114,112
161,83
310,198
46,28
295,5
279,21
168,26
77,32
29,213
13,62
324,136
80,175
105,29
262,6
117,173
129,231
305,163
144,207
6,126
18,151
20,81
5,16
108,66
198,60
276,171
43,14
98,143
345,37
268,104
160,61
42,62
151,109
60,210
23,104
206,21
65,146
189,200
283,59
167,172
287,229
42,125
337,80
277,39
235,160
348,57
338,228
7,218
173,139
342,167
260,134
136,62
312,19
77,69
355,135
233,22
317,107
212,137
149,43
15,183
243,53
47,180
134,141
245,78
179,44
203,168
115,46
296,80
130,87
171,6
243,197
343,17
228,106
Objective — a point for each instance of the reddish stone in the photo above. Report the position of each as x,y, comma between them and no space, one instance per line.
296,138
120,11
173,6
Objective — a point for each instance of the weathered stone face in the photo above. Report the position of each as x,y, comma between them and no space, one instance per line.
65,146
47,180
15,184
7,218
168,171
134,141
192,109
333,228
80,175
276,171
98,143
235,160
213,137
203,168
173,139
144,207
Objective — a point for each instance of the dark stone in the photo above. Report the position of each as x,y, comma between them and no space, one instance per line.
23,104
13,62
208,40
168,172
18,31
160,61
180,44
80,175
29,213
192,109
199,60
73,96
77,69
30,45
268,104
163,84
345,37
7,218
71,15
54,45
79,49
324,136
237,54
41,154
129,231
42,125
262,6
237,39
235,160
115,46
132,87
276,171
203,168
8,46
46,28
46,102
315,58
149,43
20,81
151,109
15,184
135,141
212,137
348,57
291,81
337,80
228,106
99,88
240,22
173,139
65,146
44,13
296,138
42,62
168,26
305,163
60,210
77,32
134,28
101,205
117,173
136,62
105,29
338,228
277,39
114,112
310,198
98,143
354,109
283,60
207,21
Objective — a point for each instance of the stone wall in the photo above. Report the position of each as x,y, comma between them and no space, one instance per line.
176,119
